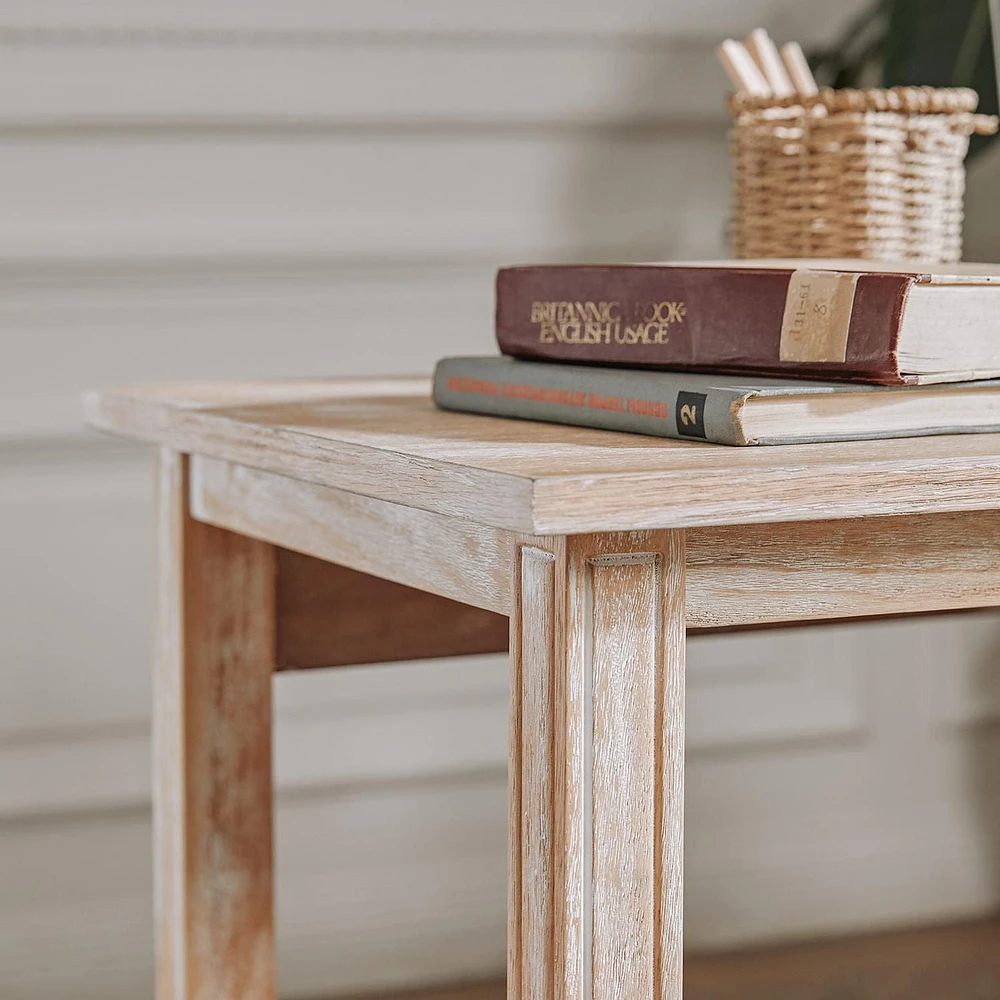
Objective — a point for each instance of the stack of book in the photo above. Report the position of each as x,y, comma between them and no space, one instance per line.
741,352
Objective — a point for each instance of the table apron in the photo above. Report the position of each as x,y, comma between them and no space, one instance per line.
737,576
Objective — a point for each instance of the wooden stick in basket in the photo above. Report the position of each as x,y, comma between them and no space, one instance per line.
742,71
761,46
798,69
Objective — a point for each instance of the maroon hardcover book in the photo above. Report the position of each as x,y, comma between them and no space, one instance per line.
803,320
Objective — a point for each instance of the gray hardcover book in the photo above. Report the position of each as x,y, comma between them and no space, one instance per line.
722,409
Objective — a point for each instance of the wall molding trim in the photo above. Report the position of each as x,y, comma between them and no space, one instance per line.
444,720
175,75
340,729
589,18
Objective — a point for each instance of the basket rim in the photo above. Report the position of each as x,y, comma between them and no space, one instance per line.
919,100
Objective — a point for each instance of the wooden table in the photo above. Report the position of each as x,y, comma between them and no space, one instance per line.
316,523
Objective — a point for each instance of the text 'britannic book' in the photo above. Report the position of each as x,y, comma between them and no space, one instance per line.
831,320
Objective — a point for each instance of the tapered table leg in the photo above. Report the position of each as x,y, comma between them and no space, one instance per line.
212,746
597,768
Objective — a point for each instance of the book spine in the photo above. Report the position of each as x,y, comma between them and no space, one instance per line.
803,323
604,398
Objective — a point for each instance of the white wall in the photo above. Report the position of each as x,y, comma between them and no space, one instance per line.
232,189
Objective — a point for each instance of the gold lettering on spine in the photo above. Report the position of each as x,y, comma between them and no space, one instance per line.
605,322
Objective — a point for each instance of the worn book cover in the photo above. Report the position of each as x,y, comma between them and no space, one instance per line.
817,319
733,410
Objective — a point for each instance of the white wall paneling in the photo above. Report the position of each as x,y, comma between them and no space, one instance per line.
967,692
312,80
121,323
454,18
383,197
558,62
75,544
787,687
376,887
340,729
881,816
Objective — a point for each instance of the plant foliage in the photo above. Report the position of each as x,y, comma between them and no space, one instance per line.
938,43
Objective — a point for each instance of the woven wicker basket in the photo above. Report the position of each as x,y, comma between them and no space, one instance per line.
853,173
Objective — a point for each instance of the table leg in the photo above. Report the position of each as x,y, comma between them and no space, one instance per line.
597,768
212,745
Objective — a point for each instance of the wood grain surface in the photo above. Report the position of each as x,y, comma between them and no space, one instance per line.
331,616
737,576
596,770
810,571
212,746
960,962
392,444
537,658
444,555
